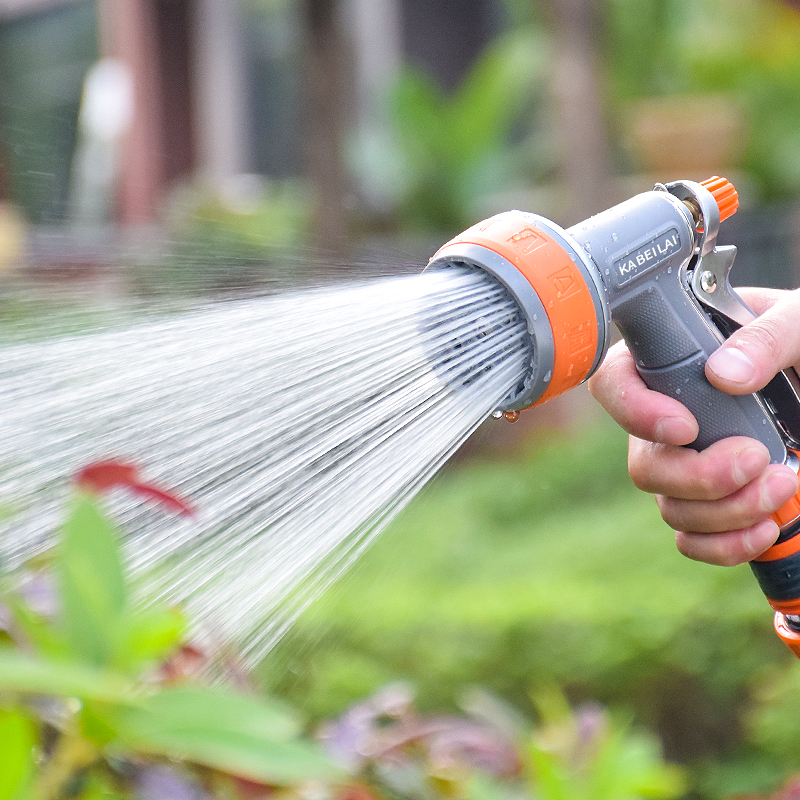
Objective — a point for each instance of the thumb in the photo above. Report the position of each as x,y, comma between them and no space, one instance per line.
751,357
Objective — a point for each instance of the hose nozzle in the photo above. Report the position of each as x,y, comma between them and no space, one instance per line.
557,289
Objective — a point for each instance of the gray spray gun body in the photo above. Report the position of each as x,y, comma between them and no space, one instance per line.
668,292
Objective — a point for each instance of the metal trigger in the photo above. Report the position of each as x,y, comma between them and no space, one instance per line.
711,285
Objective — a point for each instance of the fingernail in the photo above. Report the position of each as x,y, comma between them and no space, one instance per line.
674,430
732,365
778,488
760,537
749,463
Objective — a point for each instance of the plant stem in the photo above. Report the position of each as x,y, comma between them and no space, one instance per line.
71,753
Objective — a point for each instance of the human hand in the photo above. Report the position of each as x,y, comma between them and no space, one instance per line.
719,500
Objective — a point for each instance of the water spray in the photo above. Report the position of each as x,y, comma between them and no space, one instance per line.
296,426
651,266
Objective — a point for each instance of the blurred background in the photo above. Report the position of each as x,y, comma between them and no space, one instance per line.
134,130
160,149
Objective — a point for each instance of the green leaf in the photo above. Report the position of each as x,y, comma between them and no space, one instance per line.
149,635
494,93
235,733
630,764
30,675
45,639
550,779
92,583
17,742
484,787
419,112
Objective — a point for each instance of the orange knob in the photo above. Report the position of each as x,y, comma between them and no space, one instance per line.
725,194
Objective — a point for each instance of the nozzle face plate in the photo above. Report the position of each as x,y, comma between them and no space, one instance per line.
556,289
542,346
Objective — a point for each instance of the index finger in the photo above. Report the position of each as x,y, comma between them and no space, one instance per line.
754,353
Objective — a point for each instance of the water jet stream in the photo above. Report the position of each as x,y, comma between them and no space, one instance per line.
298,426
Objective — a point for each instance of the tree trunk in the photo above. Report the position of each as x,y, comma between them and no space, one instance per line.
326,107
576,88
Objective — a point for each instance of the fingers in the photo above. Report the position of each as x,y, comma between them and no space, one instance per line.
747,507
751,357
641,412
760,299
730,548
718,500
716,472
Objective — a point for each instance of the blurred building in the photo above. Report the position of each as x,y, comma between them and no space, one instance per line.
105,105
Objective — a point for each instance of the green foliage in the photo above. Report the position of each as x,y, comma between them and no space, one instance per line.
92,583
115,711
488,752
98,661
775,718
237,237
750,52
222,729
546,567
17,739
519,586
643,37
754,55
587,756
456,148
551,562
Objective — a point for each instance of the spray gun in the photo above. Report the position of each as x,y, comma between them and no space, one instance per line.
652,267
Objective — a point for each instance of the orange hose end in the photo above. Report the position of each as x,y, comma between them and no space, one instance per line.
789,637
787,514
782,550
724,193
785,606
557,280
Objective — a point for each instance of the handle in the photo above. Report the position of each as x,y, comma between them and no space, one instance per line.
671,338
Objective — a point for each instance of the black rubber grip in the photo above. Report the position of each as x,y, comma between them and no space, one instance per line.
780,580
670,339
654,335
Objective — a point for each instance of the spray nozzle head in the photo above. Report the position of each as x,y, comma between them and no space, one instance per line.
556,289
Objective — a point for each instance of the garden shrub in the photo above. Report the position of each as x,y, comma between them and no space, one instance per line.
545,567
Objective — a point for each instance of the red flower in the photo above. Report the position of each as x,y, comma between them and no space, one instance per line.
100,476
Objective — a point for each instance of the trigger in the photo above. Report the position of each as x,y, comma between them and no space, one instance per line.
728,312
711,286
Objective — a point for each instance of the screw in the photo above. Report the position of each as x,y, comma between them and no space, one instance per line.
708,282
